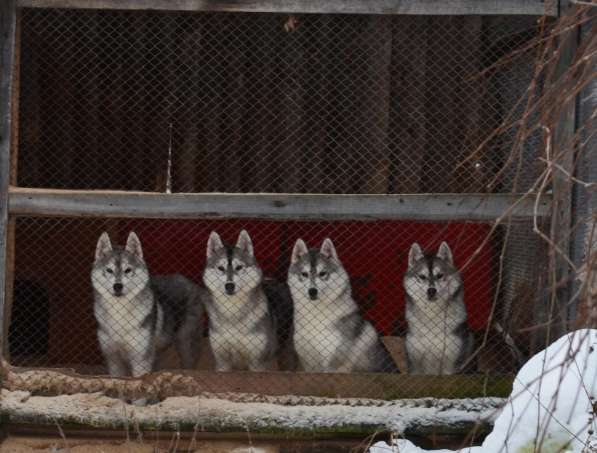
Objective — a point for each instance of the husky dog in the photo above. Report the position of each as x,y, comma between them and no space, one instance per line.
241,326
139,315
330,335
438,340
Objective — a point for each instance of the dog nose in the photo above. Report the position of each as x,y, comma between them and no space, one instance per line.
229,287
117,287
431,292
313,293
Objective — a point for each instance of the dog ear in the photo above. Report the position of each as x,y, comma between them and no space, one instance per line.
445,253
328,250
244,242
299,250
414,255
103,247
133,245
214,243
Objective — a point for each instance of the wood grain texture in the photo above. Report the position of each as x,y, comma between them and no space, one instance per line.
438,207
7,40
432,7
383,386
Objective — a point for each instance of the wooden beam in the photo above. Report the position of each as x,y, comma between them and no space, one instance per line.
22,435
414,7
564,149
209,425
7,40
278,384
583,236
438,207
9,260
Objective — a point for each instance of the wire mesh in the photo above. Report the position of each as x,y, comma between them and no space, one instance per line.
236,103
214,102
355,300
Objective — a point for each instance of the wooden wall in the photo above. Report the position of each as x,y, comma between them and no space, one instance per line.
342,104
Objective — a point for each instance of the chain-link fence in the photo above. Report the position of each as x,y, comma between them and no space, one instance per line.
339,104
243,103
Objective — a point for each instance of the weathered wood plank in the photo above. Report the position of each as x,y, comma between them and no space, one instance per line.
432,7
21,434
77,203
9,273
284,389
583,236
564,153
218,423
7,40
382,386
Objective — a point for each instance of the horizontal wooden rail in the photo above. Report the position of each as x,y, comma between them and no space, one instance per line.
171,383
415,7
435,207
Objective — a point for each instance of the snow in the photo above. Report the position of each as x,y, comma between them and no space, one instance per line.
208,412
551,405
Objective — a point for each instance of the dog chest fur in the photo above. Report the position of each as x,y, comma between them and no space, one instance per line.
235,334
121,320
433,345
316,337
321,344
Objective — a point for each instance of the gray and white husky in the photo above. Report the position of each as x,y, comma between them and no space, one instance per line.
330,335
241,326
438,340
139,315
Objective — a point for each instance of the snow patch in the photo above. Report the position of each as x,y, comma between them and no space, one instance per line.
551,405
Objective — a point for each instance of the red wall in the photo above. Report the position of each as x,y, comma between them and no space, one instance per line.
374,253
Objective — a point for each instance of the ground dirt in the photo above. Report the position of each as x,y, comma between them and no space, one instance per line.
22,444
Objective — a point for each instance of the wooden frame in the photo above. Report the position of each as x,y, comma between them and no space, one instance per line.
557,305
15,201
433,207
313,389
431,7
386,386
8,36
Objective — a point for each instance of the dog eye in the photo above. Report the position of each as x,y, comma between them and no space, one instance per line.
305,274
128,270
422,276
440,275
239,267
221,269
109,271
323,274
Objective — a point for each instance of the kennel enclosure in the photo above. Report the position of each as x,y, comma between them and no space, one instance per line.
366,123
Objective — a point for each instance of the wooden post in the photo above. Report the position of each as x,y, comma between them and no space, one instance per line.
9,272
561,222
7,38
583,233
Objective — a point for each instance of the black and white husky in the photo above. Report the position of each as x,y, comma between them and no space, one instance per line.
438,340
138,315
330,335
241,326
